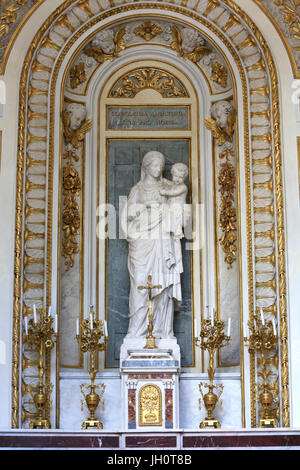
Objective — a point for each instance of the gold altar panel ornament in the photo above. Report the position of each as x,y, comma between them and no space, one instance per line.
150,406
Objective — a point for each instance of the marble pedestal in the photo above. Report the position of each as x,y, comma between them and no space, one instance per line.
150,385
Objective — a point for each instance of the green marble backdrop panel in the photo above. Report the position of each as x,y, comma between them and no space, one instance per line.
124,166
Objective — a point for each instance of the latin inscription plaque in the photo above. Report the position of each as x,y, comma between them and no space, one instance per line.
148,117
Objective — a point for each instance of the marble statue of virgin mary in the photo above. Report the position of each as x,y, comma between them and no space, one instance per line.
151,251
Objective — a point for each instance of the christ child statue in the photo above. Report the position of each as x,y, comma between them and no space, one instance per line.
176,192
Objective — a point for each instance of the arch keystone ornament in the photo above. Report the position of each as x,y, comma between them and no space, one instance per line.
49,57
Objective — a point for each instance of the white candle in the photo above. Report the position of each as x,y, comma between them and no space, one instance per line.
229,326
77,327
212,317
34,314
105,329
91,321
196,330
262,317
26,326
207,312
274,327
55,324
49,311
244,329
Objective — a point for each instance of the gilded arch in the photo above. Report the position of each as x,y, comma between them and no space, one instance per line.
219,18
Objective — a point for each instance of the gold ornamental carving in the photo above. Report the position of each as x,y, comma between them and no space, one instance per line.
100,56
75,136
227,181
77,75
13,15
228,216
151,78
196,55
288,27
9,15
222,134
148,30
70,215
71,183
291,15
150,406
219,74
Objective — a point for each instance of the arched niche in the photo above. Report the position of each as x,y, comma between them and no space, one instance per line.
257,201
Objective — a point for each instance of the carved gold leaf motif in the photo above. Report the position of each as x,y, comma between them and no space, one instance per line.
76,136
228,217
195,55
150,406
222,135
291,15
155,79
70,215
77,75
9,15
219,74
226,181
148,30
100,56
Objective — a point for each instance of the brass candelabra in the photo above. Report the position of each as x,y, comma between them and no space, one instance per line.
41,335
263,340
212,338
89,335
150,343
